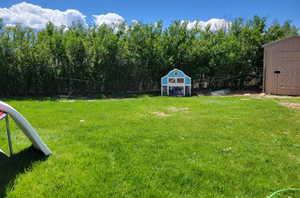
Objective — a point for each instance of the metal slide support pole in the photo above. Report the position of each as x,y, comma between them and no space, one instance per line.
8,136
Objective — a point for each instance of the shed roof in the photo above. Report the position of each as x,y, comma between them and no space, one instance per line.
275,42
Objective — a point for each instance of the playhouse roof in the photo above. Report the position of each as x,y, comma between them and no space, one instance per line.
176,73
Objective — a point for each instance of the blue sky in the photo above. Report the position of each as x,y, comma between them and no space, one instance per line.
168,11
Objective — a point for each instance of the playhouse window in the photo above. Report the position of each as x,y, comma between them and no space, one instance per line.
172,80
180,80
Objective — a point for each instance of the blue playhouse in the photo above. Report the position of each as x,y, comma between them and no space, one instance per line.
176,83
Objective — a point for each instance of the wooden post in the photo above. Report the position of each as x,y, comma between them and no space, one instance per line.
9,136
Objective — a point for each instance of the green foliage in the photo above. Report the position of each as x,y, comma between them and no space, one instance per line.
81,60
206,147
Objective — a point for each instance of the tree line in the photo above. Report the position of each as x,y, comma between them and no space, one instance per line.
81,60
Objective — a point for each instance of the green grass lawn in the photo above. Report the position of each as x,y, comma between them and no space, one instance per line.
233,147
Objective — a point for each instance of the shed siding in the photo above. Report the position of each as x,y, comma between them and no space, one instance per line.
284,57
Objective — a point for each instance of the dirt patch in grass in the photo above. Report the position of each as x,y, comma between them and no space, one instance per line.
177,109
262,95
170,109
256,94
161,114
290,105
291,156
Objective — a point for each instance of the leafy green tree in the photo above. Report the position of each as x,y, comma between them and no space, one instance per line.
132,58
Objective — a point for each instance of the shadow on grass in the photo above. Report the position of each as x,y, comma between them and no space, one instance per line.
10,167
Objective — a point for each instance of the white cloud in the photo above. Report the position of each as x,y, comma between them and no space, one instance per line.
110,19
36,17
134,21
215,24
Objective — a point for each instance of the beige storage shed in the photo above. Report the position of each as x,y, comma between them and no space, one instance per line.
282,67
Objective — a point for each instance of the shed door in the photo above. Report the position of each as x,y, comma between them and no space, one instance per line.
287,74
